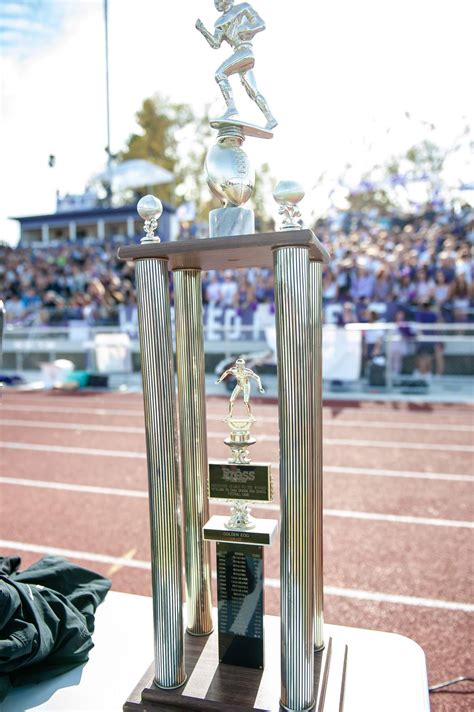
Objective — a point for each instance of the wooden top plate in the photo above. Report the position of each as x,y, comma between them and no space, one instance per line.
221,253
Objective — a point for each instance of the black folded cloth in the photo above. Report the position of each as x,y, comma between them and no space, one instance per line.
46,618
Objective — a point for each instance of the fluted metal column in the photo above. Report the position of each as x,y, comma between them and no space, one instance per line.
192,422
296,490
316,375
160,424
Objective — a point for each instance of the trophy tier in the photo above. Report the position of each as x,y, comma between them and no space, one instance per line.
243,251
263,531
232,220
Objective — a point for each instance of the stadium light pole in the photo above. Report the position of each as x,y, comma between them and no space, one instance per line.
107,96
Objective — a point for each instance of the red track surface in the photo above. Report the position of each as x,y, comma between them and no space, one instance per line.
427,556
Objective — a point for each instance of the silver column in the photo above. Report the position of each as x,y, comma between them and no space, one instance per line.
192,422
296,488
160,425
316,375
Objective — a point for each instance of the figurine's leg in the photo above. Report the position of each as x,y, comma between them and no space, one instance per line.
233,397
240,61
248,80
226,89
247,398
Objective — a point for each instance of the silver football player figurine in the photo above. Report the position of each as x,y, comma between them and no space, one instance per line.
242,376
237,26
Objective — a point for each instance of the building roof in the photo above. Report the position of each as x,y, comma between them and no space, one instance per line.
82,216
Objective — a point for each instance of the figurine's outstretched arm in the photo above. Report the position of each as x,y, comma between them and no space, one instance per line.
259,381
214,40
226,373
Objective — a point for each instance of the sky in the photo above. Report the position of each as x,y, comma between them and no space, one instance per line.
339,75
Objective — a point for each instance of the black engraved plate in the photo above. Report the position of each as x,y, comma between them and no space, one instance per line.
250,482
240,604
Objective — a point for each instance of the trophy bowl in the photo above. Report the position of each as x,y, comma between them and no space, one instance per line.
240,429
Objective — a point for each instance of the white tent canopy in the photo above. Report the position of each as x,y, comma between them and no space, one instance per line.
132,174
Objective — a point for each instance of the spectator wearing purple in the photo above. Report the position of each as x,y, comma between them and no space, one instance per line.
426,314
363,283
383,286
229,289
424,286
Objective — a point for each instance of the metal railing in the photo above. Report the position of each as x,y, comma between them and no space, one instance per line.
438,349
392,354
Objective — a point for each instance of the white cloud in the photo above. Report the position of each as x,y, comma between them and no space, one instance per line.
14,8
20,24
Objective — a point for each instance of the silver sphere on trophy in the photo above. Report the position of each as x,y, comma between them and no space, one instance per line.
288,194
150,210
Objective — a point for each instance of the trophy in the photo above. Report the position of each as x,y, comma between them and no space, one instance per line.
230,175
189,645
232,658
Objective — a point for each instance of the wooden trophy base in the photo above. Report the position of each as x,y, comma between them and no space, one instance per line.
215,687
359,670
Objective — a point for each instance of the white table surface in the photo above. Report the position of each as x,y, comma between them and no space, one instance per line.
123,649
385,671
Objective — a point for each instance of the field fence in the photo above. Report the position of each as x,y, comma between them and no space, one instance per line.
382,355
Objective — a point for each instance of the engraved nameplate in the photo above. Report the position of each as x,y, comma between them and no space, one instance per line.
240,604
249,482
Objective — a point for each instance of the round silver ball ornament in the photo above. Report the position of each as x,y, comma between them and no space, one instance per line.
149,208
288,192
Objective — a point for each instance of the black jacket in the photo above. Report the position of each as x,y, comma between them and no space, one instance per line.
46,618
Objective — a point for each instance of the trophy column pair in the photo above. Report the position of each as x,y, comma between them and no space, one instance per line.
298,325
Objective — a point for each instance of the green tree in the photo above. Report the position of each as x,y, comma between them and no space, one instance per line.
157,141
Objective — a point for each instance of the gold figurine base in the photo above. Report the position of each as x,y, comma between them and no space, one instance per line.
240,516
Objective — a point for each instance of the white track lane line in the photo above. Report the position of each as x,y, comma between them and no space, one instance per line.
272,583
68,487
393,598
329,422
398,445
133,402
61,449
405,474
384,444
87,427
142,494
64,409
399,518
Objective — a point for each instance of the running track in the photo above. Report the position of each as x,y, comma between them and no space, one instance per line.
398,508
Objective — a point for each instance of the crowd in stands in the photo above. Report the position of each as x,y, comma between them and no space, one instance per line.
401,262
387,267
